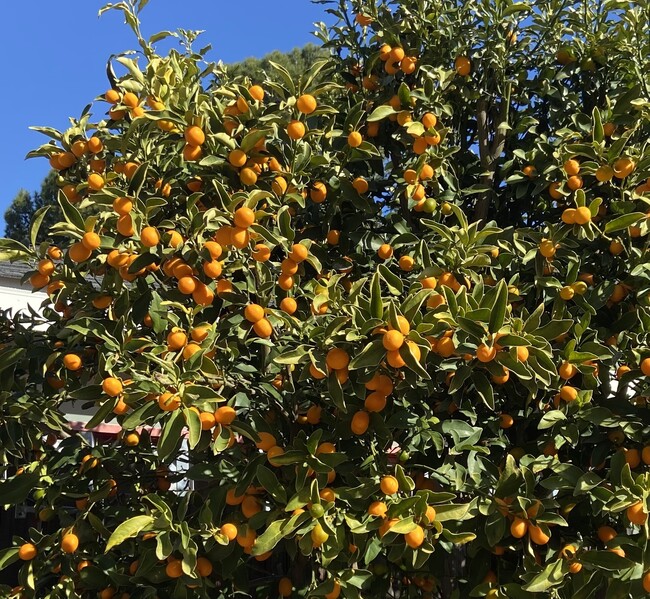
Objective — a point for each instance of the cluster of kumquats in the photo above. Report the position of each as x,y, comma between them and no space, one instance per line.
329,379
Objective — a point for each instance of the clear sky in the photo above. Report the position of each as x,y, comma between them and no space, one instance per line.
54,59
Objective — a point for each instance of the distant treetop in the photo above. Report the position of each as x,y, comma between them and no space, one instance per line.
297,62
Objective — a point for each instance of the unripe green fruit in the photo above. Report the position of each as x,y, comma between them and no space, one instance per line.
430,205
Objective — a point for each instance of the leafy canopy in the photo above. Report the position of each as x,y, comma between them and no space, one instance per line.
380,328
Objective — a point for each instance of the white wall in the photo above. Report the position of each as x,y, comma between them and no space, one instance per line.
15,297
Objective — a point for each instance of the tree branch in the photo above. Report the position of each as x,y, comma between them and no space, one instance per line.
487,175
489,149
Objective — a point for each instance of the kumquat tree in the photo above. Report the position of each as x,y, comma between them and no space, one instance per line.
380,331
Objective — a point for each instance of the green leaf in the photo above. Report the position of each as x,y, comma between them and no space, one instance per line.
284,221
534,320
171,435
11,250
8,556
137,181
554,329
88,393
39,215
588,481
498,313
551,576
139,416
101,414
411,306
550,419
9,356
515,8
301,162
271,238
458,538
17,489
97,523
292,357
336,392
130,64
158,313
406,483
484,389
251,138
510,340
299,499
412,363
161,35
579,357
380,113
590,588
495,528
452,511
415,129
462,374
276,531
376,304
404,94
49,131
270,482
293,456
161,506
286,77
623,222
597,127
128,529
164,545
606,560
392,280
471,327
403,526
370,355
142,261
194,425
70,213
355,577
314,70
227,141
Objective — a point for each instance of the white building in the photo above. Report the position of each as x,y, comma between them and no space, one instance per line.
13,295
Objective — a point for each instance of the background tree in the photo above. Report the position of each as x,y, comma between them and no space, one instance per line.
296,62
20,213
381,330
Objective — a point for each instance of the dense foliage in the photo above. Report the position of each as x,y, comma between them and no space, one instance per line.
23,207
379,330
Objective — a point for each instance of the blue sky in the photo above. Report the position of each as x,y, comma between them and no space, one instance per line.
55,53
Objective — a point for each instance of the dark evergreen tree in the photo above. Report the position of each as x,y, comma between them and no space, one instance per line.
297,62
21,210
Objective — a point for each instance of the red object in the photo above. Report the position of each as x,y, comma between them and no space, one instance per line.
109,431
